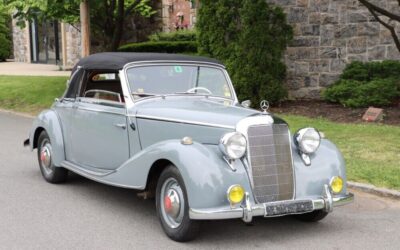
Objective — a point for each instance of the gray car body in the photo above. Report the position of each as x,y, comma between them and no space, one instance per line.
121,146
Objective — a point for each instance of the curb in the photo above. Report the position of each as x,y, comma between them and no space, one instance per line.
16,113
368,188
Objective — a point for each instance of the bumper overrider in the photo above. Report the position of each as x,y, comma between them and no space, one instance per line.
273,209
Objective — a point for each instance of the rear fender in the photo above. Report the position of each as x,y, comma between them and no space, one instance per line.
48,120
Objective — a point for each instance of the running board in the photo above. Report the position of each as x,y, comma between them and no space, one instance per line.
95,175
79,169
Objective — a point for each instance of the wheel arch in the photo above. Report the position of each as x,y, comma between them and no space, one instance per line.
49,121
36,135
154,173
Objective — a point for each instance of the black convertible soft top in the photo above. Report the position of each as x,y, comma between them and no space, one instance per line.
117,60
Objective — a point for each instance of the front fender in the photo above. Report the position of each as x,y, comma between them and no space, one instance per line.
48,120
326,162
206,175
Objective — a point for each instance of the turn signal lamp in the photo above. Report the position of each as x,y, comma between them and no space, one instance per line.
235,194
336,184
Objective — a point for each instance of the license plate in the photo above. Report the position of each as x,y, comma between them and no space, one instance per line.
288,207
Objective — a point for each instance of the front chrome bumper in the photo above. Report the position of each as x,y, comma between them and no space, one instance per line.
247,211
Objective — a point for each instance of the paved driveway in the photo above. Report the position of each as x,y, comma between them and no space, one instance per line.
31,69
82,214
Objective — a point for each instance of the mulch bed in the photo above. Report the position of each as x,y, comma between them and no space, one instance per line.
335,112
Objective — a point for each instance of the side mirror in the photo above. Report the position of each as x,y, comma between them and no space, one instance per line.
246,104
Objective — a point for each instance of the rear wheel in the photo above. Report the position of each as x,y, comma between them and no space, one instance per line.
312,217
173,208
50,172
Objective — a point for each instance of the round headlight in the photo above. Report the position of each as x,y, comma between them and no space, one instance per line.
233,145
308,140
235,194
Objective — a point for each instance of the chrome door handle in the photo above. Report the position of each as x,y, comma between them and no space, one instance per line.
121,125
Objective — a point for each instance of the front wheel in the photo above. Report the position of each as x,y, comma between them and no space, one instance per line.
312,217
50,172
173,208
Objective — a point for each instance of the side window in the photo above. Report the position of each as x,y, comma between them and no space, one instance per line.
102,87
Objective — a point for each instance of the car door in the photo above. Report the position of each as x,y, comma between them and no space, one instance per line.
99,134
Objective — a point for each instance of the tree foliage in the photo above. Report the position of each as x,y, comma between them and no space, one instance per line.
5,37
107,16
250,37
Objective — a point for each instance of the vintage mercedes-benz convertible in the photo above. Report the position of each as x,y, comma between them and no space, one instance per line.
172,126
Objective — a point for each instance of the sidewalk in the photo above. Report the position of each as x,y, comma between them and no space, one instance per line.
31,69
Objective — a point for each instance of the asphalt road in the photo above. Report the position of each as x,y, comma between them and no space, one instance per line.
82,214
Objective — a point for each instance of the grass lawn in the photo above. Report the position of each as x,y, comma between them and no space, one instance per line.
29,94
372,152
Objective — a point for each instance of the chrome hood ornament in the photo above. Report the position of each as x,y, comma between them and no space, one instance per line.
264,106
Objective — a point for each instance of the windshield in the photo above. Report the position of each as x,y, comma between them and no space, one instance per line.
176,79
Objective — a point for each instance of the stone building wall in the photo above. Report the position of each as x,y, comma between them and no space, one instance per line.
328,35
21,46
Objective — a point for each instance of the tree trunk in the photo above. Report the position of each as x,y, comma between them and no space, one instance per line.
119,26
85,27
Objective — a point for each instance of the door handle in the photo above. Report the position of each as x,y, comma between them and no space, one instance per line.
121,125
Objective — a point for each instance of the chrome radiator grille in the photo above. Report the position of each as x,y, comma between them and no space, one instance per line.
271,162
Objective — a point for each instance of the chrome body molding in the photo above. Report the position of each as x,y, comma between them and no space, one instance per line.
206,124
248,210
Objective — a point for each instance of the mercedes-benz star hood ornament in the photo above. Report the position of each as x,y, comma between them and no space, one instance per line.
264,106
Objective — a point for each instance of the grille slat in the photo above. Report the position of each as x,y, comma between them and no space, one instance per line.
270,158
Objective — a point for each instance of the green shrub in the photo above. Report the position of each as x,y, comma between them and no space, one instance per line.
371,70
250,37
366,84
182,35
5,37
161,47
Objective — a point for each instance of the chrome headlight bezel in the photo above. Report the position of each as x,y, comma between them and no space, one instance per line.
307,140
231,140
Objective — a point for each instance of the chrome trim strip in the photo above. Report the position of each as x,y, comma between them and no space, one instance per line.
148,117
100,111
258,209
96,176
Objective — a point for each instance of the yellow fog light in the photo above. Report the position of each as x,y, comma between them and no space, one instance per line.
336,184
235,194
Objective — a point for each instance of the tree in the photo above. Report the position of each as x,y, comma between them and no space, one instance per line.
107,16
5,39
379,12
250,37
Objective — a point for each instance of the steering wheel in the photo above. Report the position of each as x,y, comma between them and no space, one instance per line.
192,90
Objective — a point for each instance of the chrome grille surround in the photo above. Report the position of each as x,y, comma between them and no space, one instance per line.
269,158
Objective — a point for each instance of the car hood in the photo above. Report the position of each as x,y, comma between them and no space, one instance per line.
196,110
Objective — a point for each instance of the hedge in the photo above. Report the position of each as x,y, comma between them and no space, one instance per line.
366,84
183,47
178,36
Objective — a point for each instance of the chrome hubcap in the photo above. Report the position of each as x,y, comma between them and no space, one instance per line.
172,203
45,157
